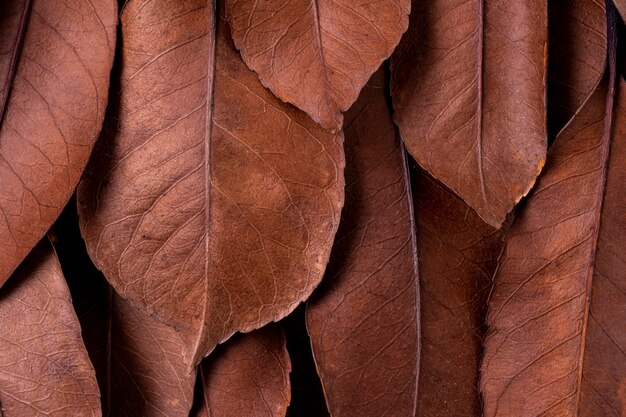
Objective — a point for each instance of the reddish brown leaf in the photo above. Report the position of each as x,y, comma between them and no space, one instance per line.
364,323
468,90
577,56
138,360
317,54
55,59
557,343
458,257
44,367
211,204
248,376
621,7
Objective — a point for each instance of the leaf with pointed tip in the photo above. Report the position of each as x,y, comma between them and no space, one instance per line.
364,322
556,343
55,59
458,257
210,204
248,376
577,57
317,54
138,360
44,367
468,86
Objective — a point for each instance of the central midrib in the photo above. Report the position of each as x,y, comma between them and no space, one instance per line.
479,101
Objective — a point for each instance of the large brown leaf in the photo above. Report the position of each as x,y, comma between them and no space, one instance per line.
138,360
55,59
210,203
248,376
557,345
364,322
317,54
44,367
577,57
458,257
468,86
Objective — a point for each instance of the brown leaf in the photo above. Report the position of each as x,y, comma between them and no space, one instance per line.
317,54
364,323
55,59
468,90
557,343
138,360
44,367
620,5
577,57
458,257
215,218
248,376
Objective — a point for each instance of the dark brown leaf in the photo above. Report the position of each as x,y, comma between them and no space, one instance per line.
210,204
458,257
55,59
557,345
317,54
577,57
44,367
468,86
138,360
248,376
364,323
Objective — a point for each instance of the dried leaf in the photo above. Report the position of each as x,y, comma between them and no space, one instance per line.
138,360
557,343
364,322
210,204
468,86
317,54
248,376
55,59
577,57
44,367
458,257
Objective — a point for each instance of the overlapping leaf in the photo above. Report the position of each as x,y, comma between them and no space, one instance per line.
210,203
468,86
55,59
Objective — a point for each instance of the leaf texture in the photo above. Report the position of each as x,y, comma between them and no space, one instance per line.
138,360
44,367
557,343
468,85
364,322
458,257
317,54
248,376
210,204
55,59
577,57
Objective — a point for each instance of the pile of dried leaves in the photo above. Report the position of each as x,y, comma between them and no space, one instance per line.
226,155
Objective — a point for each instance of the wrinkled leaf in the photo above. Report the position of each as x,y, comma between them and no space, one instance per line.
364,322
248,376
557,344
458,257
317,54
44,367
210,203
138,360
577,57
55,59
468,86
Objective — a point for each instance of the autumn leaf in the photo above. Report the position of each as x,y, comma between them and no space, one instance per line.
248,376
556,316
468,85
210,204
55,59
44,367
317,54
364,322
